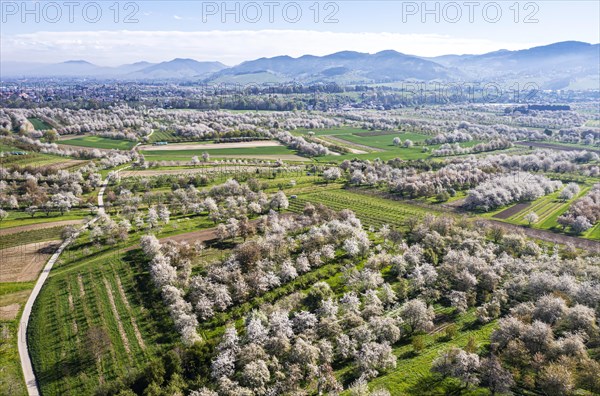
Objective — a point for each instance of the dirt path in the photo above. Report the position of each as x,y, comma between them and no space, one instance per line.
210,146
38,226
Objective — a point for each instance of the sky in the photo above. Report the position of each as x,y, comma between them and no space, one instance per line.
111,33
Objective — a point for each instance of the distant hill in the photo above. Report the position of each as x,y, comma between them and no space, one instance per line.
558,62
177,69
555,66
343,66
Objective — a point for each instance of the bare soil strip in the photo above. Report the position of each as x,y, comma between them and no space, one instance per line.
39,226
72,310
513,210
81,289
136,330
23,263
113,307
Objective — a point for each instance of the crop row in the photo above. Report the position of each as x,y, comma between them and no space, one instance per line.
372,211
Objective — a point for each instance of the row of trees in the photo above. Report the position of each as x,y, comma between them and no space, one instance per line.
507,189
584,213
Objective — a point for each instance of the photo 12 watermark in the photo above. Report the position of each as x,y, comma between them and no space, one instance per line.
270,12
57,12
469,11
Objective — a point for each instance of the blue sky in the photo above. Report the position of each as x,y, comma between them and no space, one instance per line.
162,30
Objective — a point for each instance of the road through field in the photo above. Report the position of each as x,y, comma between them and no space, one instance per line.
28,374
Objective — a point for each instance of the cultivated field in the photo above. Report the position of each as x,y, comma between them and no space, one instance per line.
268,153
211,146
547,210
99,142
23,263
309,276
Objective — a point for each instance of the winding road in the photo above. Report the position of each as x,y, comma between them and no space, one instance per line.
28,374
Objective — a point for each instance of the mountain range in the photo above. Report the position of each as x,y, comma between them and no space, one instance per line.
556,66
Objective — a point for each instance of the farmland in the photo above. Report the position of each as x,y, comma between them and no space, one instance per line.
547,209
39,124
307,275
99,142
373,211
31,159
102,294
270,153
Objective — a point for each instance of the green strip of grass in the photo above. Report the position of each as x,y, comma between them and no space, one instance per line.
99,142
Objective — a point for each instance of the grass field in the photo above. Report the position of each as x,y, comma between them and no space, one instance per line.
106,287
39,124
31,159
21,218
11,378
163,136
548,208
111,292
376,144
99,142
20,238
412,374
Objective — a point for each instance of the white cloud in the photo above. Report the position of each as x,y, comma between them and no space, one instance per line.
230,47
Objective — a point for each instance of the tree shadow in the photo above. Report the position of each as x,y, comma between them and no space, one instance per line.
435,384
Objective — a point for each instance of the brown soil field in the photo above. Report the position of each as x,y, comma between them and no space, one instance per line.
208,146
513,210
24,263
39,226
9,312
11,303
